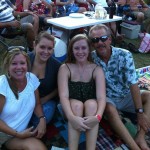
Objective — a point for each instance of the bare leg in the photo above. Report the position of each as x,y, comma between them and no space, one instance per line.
114,32
140,18
26,4
36,24
73,134
91,135
118,126
25,144
81,10
30,35
140,138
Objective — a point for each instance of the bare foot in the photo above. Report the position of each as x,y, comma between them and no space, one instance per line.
141,143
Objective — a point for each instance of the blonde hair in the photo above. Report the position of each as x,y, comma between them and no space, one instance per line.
99,27
9,56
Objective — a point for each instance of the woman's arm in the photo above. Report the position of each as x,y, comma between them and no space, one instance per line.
58,2
63,76
3,126
41,128
100,90
6,129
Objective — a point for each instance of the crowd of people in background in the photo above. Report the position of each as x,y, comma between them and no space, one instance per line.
89,84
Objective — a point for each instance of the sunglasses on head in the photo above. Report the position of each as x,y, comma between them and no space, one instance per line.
13,48
97,39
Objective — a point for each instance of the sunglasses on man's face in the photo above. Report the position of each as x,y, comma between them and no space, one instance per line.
97,39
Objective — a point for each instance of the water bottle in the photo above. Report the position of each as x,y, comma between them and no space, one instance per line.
18,18
112,9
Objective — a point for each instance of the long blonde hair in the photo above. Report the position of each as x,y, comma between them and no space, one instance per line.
9,56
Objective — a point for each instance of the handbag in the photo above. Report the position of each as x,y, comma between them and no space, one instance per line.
145,43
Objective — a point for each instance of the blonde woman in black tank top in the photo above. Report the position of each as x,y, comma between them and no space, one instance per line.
81,86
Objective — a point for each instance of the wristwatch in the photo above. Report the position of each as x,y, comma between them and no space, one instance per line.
139,110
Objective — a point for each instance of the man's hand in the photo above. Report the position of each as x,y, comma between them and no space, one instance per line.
143,121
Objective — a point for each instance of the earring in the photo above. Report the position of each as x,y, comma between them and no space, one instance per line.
8,75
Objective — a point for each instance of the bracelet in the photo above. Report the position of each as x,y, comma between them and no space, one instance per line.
98,117
42,117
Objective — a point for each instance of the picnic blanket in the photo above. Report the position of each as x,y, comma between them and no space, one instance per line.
144,77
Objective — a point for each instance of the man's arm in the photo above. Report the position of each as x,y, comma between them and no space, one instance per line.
7,24
135,92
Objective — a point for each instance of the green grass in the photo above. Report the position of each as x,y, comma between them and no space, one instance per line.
140,59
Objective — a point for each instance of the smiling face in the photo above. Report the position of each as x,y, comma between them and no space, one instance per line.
18,67
81,50
44,49
102,48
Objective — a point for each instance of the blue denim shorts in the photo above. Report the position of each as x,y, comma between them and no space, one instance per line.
48,110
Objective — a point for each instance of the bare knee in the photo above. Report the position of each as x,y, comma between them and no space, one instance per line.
145,97
82,9
35,144
110,110
36,18
140,17
77,107
90,107
26,144
29,26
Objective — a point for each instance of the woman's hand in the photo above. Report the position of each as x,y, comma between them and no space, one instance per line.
91,121
78,123
41,128
26,133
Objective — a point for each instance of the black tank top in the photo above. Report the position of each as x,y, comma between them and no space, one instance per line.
82,90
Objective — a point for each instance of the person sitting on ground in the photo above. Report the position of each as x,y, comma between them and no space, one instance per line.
34,19
11,25
41,8
65,7
18,99
81,87
141,12
122,90
112,25
42,59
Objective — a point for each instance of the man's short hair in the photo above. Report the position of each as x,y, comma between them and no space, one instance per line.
98,27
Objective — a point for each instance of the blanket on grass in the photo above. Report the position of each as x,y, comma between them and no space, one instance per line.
57,134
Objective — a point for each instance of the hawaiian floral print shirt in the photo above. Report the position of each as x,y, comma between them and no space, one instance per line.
119,72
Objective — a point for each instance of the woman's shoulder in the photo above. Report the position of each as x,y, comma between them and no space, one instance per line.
3,79
3,84
32,80
30,76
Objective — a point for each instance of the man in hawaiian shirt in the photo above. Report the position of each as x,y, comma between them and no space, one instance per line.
121,87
